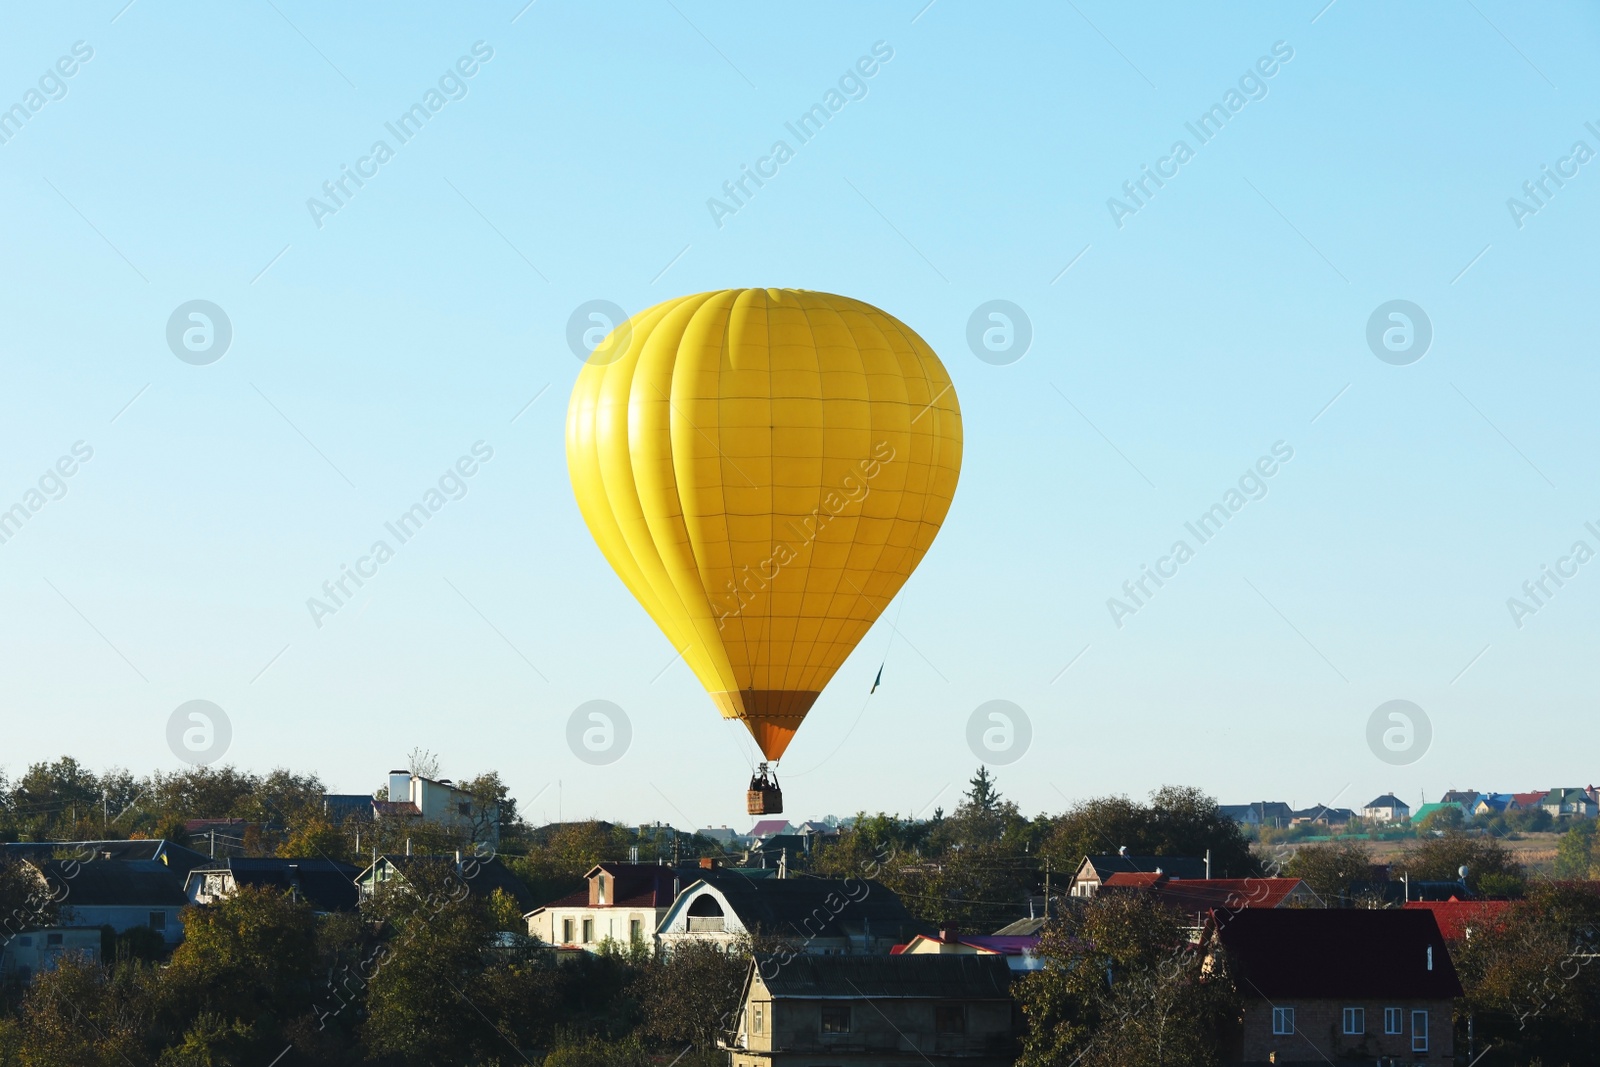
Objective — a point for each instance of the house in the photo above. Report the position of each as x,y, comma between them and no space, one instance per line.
121,894
768,827
1459,919
1020,951
1322,815
620,903
440,804
37,949
1094,870
1272,813
1466,798
1569,803
480,876
779,851
722,835
1197,898
1387,808
1529,801
175,857
1495,804
817,916
1339,985
341,807
1428,809
853,1010
327,885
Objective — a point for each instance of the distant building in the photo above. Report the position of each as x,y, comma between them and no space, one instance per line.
621,903
1196,899
906,1009
1340,985
439,803
726,837
1094,870
1268,813
1495,804
121,894
817,916
769,827
480,876
1387,808
1426,810
169,855
1466,798
1529,801
1569,803
1020,951
36,950
327,885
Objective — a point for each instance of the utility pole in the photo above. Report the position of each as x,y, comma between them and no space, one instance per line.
1047,888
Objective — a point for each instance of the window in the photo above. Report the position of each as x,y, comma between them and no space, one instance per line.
836,1018
1391,1021
1355,1020
465,808
635,930
949,1019
566,931
1283,1020
759,1016
158,920
52,939
1419,1031
25,941
602,881
588,931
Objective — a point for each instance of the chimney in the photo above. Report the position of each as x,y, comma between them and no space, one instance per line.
1208,865
707,863
949,933
408,844
399,786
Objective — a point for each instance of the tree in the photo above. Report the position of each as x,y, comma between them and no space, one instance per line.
689,994
1444,817
494,809
1331,870
249,957
1439,859
1178,821
1122,986
1575,852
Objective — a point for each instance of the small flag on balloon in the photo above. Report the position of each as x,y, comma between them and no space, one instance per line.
876,680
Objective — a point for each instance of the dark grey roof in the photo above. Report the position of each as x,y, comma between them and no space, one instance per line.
1172,866
927,977
1021,928
128,883
482,876
342,806
816,907
180,859
1349,953
327,885
1388,800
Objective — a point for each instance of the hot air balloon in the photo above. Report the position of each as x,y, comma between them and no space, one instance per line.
764,468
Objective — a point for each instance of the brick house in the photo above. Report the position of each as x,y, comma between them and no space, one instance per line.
845,1011
1339,985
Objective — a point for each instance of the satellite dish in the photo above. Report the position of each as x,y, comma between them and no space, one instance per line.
1462,871
1122,850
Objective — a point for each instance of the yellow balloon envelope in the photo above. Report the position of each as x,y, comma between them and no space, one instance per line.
764,468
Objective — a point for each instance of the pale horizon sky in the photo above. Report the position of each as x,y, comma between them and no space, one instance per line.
1175,341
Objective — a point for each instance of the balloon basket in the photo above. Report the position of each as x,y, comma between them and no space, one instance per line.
764,801
764,797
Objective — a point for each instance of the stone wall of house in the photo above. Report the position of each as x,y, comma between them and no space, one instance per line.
1319,1033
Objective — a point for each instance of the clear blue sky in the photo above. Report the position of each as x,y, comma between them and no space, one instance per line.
1222,316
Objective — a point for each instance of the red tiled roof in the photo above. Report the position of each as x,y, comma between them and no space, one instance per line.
395,807
1457,917
1531,800
1201,894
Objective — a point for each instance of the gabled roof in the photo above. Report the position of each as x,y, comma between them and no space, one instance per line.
768,827
487,875
1388,800
1346,953
578,898
342,806
1456,918
1022,927
1195,895
327,885
984,944
114,883
1173,866
809,907
175,857
395,808
1571,795
637,885
1531,800
885,977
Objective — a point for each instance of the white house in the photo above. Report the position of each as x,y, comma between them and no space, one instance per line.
121,894
622,903
35,951
439,803
1387,808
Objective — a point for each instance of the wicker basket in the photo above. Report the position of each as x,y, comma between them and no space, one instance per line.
764,801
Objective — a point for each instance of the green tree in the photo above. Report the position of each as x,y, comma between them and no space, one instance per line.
689,994
1575,852
1121,985
1178,821
1439,859
1331,870
248,958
